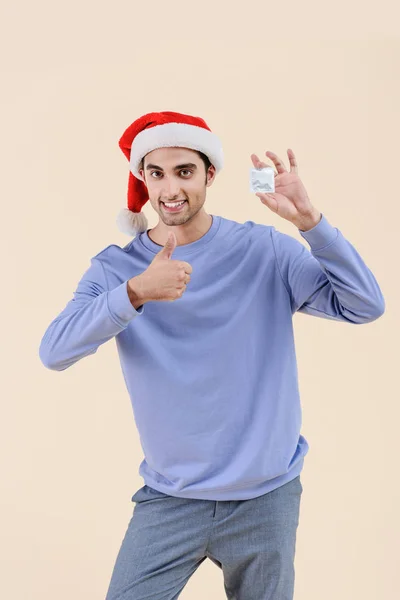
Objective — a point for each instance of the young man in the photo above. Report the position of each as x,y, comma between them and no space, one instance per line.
201,309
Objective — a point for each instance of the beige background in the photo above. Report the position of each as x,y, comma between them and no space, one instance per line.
322,80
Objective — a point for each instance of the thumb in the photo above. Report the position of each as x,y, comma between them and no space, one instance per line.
169,247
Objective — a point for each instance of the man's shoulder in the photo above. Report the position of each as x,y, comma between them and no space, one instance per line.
112,251
247,227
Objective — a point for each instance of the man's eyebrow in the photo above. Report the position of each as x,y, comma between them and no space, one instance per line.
184,166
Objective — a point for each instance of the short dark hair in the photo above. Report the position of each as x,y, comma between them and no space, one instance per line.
204,158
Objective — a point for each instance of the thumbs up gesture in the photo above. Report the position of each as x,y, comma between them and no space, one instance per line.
164,279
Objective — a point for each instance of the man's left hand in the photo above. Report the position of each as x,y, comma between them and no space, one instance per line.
290,199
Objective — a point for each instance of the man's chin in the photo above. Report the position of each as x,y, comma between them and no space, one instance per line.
174,219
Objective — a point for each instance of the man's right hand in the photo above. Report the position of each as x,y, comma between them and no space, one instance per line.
164,279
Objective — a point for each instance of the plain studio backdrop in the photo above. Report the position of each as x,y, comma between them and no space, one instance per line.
322,80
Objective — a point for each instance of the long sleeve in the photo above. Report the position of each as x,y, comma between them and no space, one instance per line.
331,281
92,317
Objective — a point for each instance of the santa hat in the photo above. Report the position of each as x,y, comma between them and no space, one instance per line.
160,130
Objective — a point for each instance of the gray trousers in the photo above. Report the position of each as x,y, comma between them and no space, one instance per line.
253,542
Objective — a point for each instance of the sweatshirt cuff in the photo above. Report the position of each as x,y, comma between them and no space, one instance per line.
321,235
120,306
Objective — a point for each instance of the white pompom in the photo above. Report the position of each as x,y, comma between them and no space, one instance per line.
131,223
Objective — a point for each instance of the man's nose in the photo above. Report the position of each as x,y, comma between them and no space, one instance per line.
171,188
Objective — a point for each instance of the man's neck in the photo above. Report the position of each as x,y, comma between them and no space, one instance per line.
185,234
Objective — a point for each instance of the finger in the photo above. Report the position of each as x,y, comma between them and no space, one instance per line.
292,161
280,167
268,200
258,164
169,246
188,267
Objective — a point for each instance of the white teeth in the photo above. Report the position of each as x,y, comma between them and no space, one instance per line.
173,204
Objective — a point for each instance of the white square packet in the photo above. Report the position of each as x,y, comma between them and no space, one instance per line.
262,180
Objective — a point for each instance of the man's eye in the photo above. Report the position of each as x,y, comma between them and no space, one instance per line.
181,171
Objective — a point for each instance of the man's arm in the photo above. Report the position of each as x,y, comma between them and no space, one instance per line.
331,281
92,317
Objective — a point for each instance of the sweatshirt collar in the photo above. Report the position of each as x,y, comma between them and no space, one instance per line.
184,249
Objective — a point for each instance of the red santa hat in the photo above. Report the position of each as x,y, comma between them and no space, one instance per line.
160,130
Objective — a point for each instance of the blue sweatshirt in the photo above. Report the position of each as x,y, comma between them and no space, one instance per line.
212,376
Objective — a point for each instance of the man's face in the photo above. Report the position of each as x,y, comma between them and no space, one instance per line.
174,174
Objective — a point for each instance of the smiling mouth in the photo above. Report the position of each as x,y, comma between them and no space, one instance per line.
174,207
175,201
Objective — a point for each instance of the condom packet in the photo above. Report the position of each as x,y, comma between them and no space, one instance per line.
262,180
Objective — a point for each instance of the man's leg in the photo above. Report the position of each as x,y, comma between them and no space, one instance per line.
163,546
253,542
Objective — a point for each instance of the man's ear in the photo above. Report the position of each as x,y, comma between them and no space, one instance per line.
210,175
